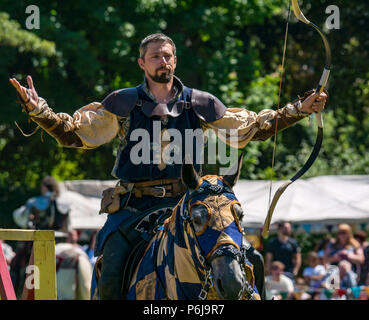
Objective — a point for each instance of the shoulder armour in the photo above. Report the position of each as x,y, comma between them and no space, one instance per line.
206,106
121,102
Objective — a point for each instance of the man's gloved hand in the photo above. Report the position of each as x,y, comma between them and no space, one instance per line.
29,97
313,102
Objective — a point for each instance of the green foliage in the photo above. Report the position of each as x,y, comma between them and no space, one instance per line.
12,35
86,49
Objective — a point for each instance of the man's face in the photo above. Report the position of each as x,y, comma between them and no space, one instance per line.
159,62
312,261
72,236
285,229
44,189
276,271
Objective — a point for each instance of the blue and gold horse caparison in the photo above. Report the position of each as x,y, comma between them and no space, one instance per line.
175,264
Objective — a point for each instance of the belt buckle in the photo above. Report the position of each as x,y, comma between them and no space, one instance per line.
163,190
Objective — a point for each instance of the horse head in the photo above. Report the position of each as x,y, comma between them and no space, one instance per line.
214,215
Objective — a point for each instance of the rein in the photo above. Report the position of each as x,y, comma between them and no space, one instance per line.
203,263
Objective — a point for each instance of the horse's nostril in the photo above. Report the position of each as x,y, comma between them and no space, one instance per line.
219,283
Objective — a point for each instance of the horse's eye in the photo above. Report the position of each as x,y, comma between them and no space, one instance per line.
199,214
197,220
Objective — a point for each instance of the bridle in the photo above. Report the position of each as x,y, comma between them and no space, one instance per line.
203,264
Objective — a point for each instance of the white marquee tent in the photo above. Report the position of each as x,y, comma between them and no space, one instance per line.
323,200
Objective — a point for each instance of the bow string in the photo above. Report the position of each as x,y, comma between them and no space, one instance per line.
319,139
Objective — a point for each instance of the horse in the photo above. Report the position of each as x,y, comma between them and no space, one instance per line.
199,252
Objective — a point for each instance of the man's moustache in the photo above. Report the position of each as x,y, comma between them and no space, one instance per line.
164,68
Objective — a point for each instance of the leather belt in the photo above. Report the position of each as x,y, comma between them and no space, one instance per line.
161,188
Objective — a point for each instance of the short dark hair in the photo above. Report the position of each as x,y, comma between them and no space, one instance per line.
277,264
282,223
312,255
155,37
360,235
51,185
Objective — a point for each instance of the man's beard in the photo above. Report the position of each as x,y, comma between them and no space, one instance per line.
286,233
162,78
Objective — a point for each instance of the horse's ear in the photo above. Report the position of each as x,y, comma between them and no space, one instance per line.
234,172
188,173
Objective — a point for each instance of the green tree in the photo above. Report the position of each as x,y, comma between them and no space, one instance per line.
86,49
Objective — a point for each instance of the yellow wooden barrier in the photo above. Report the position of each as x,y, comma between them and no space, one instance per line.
44,257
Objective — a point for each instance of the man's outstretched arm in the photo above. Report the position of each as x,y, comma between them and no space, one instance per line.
89,127
252,126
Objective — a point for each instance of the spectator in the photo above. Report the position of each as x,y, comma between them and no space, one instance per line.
360,236
8,252
285,249
321,247
277,284
73,270
363,269
366,283
73,237
315,271
345,247
347,276
301,290
89,248
46,211
364,295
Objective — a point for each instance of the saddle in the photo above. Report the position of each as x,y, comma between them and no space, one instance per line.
132,263
146,224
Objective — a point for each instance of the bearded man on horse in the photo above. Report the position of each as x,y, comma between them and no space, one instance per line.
152,184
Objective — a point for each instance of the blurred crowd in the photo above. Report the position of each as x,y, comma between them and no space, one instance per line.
337,269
